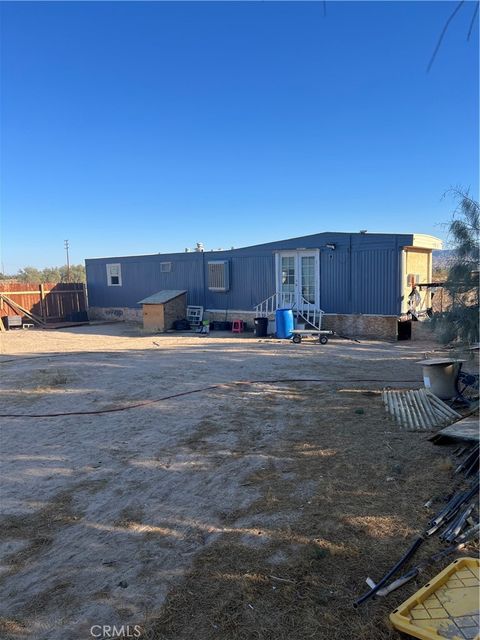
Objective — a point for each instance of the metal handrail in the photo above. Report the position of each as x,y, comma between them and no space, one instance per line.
304,309
277,301
310,313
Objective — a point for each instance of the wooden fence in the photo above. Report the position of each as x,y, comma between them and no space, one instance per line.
52,302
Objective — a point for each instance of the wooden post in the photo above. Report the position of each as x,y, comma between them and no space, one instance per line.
84,303
43,308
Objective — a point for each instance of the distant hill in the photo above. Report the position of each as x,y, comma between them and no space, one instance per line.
442,258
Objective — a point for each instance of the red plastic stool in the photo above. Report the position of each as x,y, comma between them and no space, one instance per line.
237,326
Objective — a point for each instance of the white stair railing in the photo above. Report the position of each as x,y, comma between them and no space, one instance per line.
304,311
309,313
268,307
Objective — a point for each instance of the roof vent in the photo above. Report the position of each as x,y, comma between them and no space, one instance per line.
363,231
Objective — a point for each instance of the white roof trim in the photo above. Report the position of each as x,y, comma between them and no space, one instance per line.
424,241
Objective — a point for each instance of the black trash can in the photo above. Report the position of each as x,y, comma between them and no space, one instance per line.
261,327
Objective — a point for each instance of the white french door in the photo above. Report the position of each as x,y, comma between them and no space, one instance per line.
298,275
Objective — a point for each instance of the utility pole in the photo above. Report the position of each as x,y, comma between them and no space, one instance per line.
68,260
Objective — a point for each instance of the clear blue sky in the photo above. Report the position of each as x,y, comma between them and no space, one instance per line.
146,127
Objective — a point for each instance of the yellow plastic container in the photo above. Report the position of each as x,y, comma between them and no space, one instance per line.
446,607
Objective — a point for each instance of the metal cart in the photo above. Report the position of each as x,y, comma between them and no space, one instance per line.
323,336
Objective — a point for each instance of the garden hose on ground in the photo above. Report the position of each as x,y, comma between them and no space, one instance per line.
212,387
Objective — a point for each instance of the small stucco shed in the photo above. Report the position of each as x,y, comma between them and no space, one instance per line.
162,309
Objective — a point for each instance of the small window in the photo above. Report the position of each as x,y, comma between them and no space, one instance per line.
114,275
218,275
165,267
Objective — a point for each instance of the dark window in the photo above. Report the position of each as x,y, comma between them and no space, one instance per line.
114,275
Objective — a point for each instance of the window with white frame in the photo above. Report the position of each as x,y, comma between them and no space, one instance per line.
114,275
165,267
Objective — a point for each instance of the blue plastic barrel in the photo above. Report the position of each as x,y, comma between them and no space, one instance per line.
284,323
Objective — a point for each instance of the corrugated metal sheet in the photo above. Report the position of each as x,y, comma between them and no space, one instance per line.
418,409
361,275
375,279
252,279
163,296
335,281
142,277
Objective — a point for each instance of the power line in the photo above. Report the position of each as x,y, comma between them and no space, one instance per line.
444,31
472,23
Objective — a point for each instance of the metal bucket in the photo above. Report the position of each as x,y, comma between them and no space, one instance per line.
440,376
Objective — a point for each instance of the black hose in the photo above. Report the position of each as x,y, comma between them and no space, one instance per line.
414,571
219,385
414,546
339,335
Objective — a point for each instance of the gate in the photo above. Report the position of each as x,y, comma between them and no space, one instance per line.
51,302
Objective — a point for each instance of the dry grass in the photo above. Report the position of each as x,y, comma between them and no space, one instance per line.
37,529
48,379
348,523
329,491
11,628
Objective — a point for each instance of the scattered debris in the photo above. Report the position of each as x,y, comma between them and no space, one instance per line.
281,579
417,569
17,307
418,410
465,429
470,462
455,515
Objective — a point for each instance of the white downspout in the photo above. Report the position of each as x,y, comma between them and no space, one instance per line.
403,281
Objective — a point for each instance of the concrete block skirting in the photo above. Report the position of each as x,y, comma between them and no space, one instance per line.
422,331
362,326
121,314
366,326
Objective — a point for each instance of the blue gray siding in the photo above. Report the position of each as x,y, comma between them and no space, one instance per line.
362,275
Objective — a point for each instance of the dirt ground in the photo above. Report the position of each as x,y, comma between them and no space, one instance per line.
241,511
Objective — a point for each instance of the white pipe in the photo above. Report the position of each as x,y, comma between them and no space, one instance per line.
403,281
